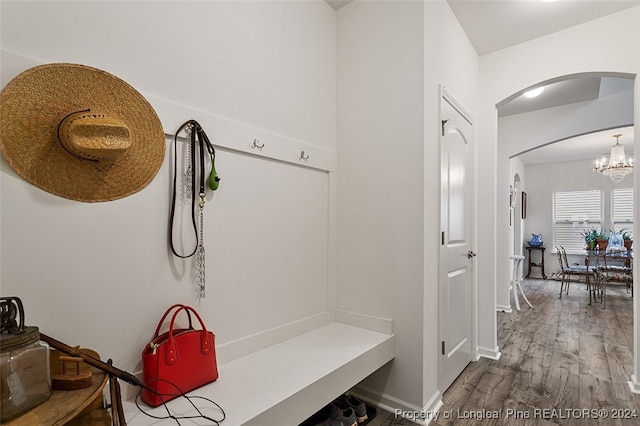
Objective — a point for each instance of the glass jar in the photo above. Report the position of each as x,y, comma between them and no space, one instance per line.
25,378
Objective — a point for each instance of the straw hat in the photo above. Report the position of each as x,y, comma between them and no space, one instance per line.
80,132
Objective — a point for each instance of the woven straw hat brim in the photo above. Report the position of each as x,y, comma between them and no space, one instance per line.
33,104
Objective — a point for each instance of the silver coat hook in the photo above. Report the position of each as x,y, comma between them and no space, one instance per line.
256,144
304,157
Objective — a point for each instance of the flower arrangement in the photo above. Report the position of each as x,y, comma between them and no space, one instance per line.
626,237
590,237
602,241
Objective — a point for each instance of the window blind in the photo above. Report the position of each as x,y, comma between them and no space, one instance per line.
574,212
622,208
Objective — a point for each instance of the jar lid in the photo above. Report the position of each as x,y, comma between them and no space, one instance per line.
9,342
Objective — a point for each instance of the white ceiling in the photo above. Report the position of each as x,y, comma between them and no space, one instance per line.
495,24
492,25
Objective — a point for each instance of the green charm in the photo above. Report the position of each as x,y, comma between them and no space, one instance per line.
213,180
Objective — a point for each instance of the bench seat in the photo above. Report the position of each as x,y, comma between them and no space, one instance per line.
285,383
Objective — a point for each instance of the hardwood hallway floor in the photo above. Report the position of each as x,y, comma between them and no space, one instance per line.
563,362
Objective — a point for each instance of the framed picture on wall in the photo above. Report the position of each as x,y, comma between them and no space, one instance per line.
524,205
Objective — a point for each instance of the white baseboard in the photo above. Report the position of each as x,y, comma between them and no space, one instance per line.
634,385
493,354
434,405
504,308
399,408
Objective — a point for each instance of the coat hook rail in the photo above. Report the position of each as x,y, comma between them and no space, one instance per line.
303,156
256,144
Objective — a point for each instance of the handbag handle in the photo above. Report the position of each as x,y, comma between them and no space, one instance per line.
172,307
206,338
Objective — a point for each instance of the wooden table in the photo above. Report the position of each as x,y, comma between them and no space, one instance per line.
536,264
71,408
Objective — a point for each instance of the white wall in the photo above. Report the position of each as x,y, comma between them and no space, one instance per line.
392,55
100,275
104,272
609,44
380,163
235,59
450,60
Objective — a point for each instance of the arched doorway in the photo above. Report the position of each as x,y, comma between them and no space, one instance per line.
569,106
613,106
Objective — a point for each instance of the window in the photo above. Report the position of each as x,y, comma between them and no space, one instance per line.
574,212
622,209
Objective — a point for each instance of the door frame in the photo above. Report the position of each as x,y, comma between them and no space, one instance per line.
445,96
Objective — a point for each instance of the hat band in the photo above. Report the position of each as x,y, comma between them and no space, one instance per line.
60,139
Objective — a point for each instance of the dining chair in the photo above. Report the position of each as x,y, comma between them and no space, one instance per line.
574,270
615,268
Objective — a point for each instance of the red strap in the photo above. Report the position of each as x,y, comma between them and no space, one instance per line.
172,307
206,344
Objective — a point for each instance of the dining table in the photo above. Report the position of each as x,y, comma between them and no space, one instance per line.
610,266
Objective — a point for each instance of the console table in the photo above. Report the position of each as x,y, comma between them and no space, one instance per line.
70,408
533,264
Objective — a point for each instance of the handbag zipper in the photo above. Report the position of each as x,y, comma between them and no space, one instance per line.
161,339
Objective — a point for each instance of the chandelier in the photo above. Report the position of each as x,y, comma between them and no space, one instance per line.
618,165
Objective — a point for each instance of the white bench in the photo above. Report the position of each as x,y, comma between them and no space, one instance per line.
285,383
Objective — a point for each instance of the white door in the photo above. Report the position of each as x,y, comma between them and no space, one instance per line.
457,255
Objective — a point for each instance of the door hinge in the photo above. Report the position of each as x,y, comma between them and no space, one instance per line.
443,123
443,347
442,238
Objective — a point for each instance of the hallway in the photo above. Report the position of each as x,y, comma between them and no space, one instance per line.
558,359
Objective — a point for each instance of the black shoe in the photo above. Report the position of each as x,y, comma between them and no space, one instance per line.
358,407
340,417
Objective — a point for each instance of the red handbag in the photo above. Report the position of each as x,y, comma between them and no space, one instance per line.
177,361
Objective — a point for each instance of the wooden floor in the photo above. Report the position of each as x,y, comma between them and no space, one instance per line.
562,363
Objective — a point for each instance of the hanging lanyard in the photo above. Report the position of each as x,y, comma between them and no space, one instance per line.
198,142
